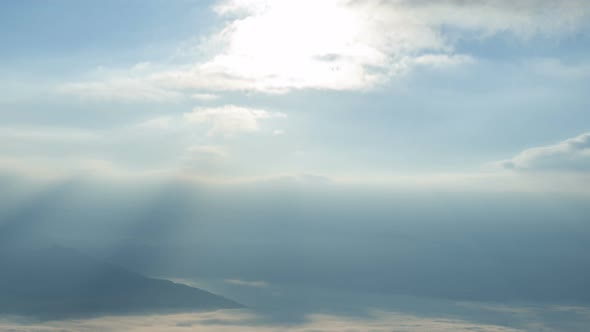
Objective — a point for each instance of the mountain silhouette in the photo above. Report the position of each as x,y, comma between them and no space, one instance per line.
60,283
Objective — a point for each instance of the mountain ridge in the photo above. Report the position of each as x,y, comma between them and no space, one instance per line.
58,282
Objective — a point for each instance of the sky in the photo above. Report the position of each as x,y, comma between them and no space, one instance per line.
433,149
353,91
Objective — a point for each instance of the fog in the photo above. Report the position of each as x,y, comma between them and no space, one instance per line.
322,244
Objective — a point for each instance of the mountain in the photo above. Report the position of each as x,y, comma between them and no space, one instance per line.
62,283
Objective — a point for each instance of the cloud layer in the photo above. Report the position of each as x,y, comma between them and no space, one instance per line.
234,321
570,155
533,318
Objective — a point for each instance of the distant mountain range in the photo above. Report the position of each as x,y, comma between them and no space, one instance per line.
61,283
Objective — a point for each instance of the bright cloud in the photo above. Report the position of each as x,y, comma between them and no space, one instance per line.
230,119
281,45
570,155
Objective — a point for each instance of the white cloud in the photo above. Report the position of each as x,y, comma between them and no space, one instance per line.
442,60
230,119
238,282
570,155
208,150
45,133
339,46
523,18
276,46
162,122
204,96
121,88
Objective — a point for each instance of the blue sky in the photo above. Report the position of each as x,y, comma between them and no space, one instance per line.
243,90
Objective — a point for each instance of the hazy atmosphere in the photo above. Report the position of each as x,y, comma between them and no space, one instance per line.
277,165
